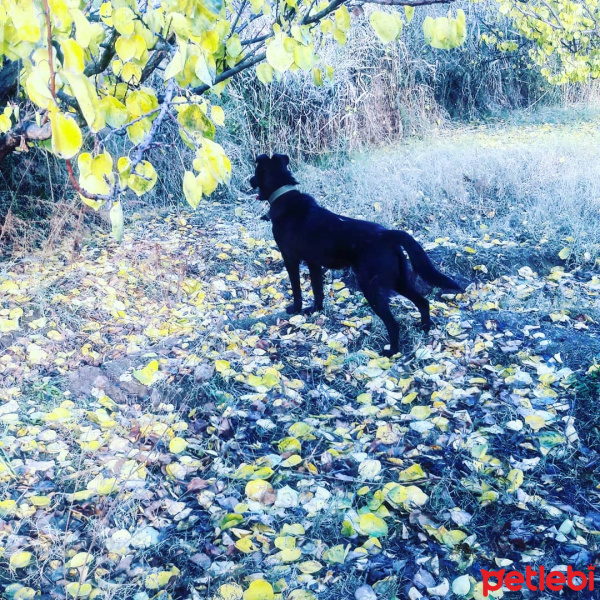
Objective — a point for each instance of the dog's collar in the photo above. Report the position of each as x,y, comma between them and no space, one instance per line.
279,192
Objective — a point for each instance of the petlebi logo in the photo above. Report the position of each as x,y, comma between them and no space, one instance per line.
537,581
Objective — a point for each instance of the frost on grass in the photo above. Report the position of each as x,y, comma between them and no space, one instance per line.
152,446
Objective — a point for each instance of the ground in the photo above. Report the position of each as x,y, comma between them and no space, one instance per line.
169,431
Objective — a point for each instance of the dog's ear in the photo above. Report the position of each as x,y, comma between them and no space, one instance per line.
261,158
284,159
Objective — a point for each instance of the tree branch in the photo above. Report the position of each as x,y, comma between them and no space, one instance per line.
333,5
101,65
28,131
147,141
408,2
245,64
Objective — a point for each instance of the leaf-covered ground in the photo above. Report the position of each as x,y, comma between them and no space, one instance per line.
167,431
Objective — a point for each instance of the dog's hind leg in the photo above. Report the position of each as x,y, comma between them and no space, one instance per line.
380,303
293,268
405,289
316,280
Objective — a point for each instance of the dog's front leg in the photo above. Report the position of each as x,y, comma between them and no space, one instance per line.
316,280
293,268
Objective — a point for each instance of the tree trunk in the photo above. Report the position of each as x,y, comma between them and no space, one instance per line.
9,77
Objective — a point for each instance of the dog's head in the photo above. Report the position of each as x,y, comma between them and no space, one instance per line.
270,174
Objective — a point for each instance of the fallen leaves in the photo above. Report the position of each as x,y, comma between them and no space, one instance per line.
216,436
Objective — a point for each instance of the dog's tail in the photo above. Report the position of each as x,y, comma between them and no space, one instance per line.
421,263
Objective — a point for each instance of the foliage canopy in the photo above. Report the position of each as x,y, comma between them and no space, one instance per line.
101,77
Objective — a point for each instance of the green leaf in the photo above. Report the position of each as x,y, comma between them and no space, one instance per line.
234,46
142,180
194,121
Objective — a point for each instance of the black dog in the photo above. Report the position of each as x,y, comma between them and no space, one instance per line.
304,231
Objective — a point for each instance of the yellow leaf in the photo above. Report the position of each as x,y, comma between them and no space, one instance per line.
292,461
535,422
258,489
564,253
336,554
373,525
259,590
413,473
36,86
39,500
454,537
386,25
83,29
192,189
80,560
78,590
304,57
245,545
420,412
155,581
515,476
222,366
217,115
288,555
123,19
73,56
177,445
66,135
146,375
130,47
7,325
20,560
289,444
342,18
7,508
277,55
113,111
310,566
264,72
234,46
131,73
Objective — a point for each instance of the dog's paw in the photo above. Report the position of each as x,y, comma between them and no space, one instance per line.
425,327
293,309
388,353
312,309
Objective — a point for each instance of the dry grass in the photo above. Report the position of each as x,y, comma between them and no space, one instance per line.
533,183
